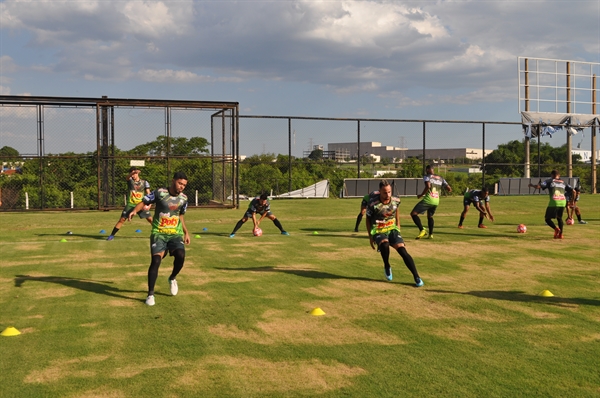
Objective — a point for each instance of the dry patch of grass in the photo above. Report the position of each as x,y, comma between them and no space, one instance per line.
59,369
132,371
103,392
251,376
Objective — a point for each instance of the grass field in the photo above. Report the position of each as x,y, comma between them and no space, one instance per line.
241,324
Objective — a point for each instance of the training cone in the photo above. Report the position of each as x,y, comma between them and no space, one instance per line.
317,312
10,331
546,293
197,236
69,233
315,233
102,231
63,240
205,229
138,230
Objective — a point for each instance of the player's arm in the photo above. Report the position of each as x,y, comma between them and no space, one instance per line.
447,186
254,220
425,190
186,235
369,226
136,210
536,186
261,217
131,173
147,207
489,211
397,215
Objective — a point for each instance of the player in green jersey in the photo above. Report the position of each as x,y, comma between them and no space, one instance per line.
431,199
556,206
383,226
136,189
476,197
169,233
262,206
363,208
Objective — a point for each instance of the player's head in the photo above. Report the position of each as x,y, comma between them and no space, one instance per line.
263,198
134,171
179,182
385,190
484,193
429,169
555,173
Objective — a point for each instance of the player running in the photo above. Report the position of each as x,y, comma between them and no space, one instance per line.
383,226
262,206
136,188
475,197
169,232
430,201
556,190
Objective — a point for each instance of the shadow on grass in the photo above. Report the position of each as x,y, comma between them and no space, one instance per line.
95,236
98,287
305,273
523,297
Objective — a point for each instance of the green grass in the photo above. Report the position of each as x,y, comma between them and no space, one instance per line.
241,326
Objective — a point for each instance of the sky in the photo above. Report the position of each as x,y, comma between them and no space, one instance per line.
434,60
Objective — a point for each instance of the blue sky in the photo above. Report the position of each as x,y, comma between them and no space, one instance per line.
453,60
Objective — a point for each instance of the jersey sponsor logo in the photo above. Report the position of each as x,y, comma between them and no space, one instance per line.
137,195
168,222
173,206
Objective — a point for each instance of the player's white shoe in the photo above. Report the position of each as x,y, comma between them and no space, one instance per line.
174,287
150,300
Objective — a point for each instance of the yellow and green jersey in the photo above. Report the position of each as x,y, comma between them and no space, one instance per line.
556,190
432,197
167,209
382,215
136,191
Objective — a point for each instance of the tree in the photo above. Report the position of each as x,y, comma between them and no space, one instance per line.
179,146
316,154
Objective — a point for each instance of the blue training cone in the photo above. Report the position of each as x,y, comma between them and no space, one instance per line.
138,230
102,231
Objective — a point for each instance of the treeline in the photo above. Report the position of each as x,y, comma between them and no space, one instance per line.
50,180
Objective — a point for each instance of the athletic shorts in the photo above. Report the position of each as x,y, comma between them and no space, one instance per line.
468,202
249,214
128,209
160,243
423,207
554,212
393,237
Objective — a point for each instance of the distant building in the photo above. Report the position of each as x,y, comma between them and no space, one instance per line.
399,154
586,155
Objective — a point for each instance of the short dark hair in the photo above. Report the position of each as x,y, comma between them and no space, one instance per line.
264,196
428,167
383,183
180,175
485,190
555,173
133,168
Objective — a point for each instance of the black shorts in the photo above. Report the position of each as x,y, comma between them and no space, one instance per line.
554,212
393,237
423,207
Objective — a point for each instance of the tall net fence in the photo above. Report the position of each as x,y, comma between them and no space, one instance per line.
75,153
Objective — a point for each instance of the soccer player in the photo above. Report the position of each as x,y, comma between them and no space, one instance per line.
363,208
136,190
556,190
430,201
383,226
572,199
262,206
169,232
475,197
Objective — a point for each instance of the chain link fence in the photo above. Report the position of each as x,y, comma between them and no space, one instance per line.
75,153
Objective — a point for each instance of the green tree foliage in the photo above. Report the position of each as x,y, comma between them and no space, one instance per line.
316,154
411,168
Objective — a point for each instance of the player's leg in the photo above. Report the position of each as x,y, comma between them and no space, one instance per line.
414,214
559,216
398,243
239,225
272,217
384,249
463,215
430,220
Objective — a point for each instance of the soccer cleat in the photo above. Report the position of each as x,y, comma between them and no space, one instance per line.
150,300
356,230
111,237
421,234
560,236
430,236
388,273
231,235
460,227
419,282
556,233
582,222
481,226
173,286
285,233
